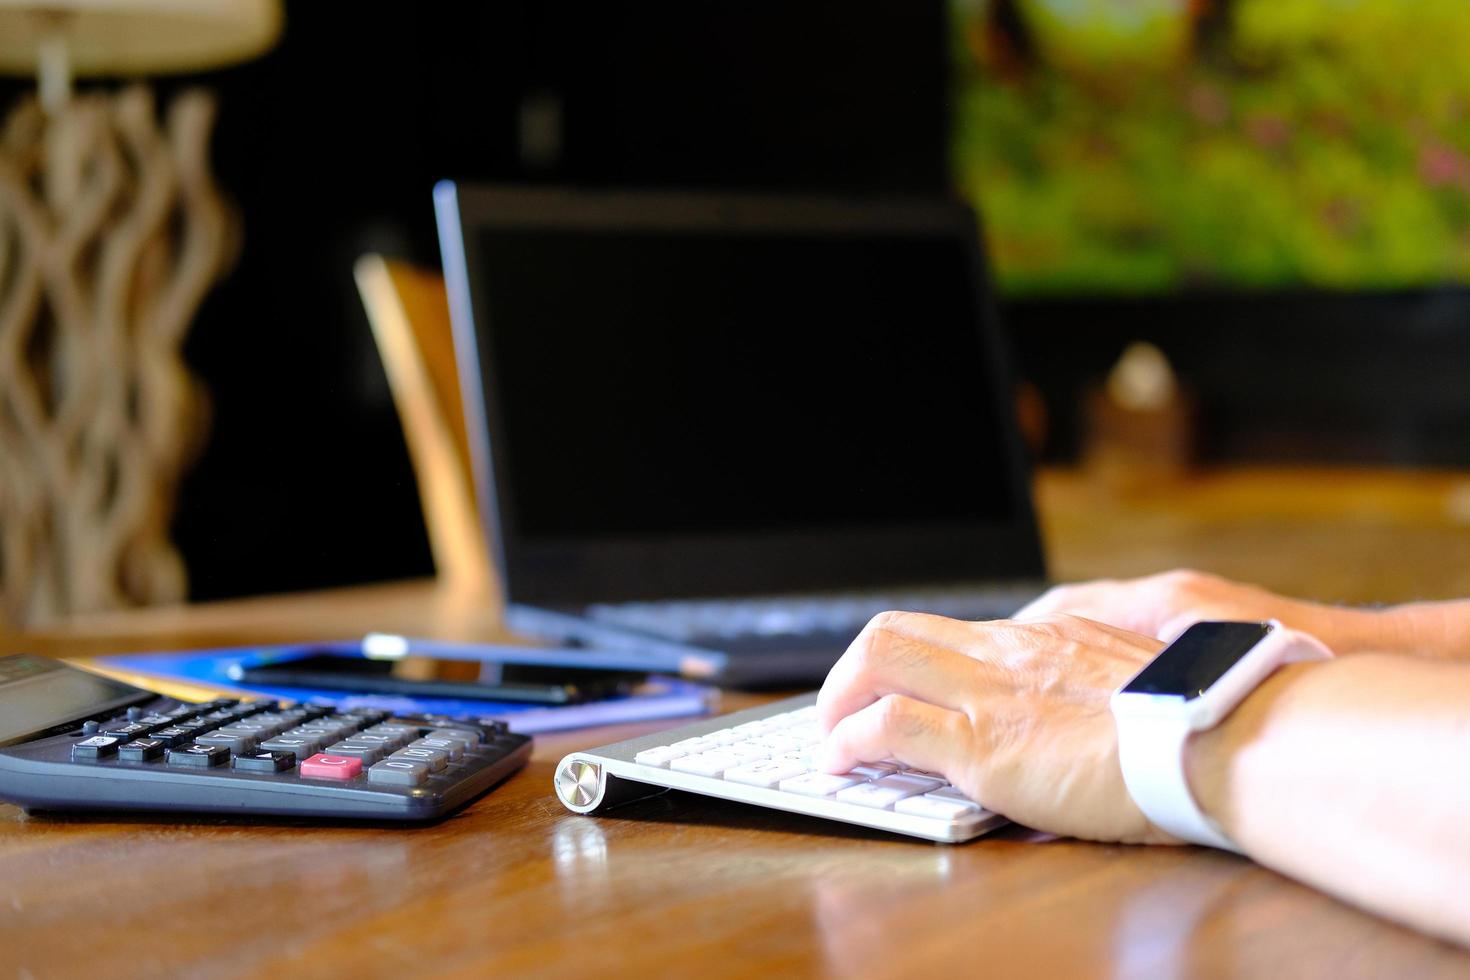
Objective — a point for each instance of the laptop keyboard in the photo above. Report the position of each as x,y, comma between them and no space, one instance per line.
692,620
765,756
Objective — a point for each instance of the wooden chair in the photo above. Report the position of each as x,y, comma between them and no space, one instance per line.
409,313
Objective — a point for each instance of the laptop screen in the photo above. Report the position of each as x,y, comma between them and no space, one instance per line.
660,383
688,395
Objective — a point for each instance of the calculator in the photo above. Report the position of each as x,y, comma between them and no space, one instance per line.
74,740
763,756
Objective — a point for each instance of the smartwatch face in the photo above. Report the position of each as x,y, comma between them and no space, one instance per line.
1199,658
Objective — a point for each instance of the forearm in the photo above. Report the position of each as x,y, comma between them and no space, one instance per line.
1351,775
1437,630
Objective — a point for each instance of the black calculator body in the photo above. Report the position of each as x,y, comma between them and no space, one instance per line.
73,740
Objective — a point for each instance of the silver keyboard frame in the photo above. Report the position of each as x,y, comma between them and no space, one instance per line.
597,780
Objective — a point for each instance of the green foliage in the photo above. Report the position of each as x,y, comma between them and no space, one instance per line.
1323,143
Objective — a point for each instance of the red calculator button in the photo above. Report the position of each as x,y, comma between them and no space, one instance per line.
323,766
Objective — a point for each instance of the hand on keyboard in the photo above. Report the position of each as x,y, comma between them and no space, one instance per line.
1014,714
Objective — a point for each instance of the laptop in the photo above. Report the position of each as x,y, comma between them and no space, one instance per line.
732,428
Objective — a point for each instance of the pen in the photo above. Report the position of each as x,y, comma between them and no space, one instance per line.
695,663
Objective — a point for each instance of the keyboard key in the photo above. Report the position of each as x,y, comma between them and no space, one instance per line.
706,763
142,750
747,751
818,783
323,766
950,793
881,793
919,784
199,756
399,772
659,756
264,762
874,770
367,752
433,758
928,806
696,744
766,772
447,745
96,747
236,742
725,736
780,743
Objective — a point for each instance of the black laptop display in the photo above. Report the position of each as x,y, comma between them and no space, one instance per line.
711,397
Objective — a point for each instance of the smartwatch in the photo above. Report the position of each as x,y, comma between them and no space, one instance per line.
1190,687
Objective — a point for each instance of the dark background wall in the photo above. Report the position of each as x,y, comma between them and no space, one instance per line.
330,145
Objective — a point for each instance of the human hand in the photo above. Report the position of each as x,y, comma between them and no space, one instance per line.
1165,605
1015,714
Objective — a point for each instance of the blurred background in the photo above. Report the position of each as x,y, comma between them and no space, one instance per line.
1266,203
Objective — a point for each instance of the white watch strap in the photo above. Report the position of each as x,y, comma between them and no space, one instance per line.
1151,751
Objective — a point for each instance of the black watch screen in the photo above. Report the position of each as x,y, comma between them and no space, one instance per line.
1203,653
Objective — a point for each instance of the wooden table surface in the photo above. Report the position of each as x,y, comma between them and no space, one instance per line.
514,885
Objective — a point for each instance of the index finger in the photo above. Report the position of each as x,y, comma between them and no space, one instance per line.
886,659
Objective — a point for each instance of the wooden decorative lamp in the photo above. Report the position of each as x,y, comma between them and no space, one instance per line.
112,231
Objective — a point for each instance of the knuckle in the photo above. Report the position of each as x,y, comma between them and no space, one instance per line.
896,714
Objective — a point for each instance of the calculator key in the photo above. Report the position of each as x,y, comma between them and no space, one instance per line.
199,756
433,758
235,742
323,766
126,730
197,726
221,717
818,783
385,742
706,763
300,747
765,772
369,716
96,747
91,727
401,734
154,720
659,756
260,761
182,711
927,806
367,752
399,772
172,736
142,750
447,745
465,737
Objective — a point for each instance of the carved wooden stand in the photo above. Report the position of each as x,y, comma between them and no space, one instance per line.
111,233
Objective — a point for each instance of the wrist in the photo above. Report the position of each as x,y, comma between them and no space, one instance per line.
1213,758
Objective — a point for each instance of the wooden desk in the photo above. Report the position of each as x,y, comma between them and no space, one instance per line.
517,886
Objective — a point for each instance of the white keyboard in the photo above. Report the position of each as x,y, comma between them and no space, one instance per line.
764,756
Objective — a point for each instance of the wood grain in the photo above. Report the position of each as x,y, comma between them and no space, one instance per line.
514,885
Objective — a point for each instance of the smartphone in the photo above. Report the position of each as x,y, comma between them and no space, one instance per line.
344,667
